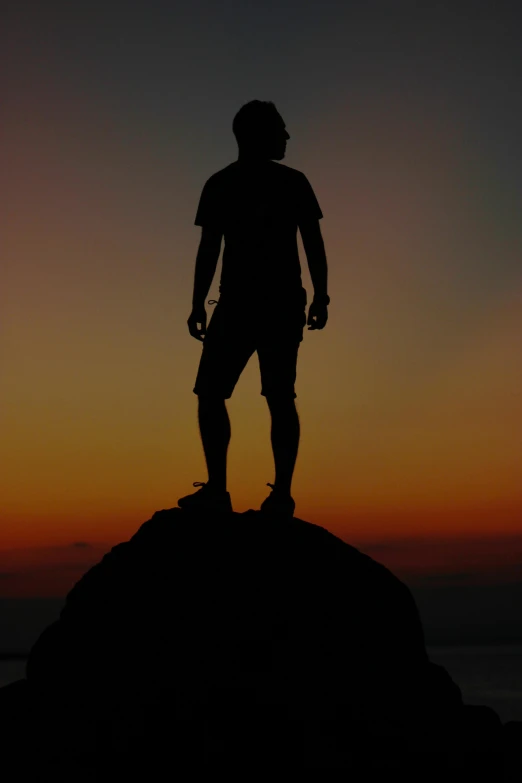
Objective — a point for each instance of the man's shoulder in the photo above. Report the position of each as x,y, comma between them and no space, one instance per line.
230,178
288,170
232,169
223,173
217,178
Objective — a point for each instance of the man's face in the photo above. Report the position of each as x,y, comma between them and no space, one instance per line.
277,139
269,141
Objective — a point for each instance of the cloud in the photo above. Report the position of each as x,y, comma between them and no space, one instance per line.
450,579
379,547
448,561
47,571
390,545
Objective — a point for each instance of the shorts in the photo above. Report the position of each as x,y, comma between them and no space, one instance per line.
236,331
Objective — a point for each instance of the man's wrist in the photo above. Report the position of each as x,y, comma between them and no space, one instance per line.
322,299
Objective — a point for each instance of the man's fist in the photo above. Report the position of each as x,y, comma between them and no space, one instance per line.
317,315
198,316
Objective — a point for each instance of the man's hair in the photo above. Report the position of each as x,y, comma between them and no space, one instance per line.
253,119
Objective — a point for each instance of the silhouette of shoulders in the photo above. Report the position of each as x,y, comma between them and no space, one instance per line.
237,196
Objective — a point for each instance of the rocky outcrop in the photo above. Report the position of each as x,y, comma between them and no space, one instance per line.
242,641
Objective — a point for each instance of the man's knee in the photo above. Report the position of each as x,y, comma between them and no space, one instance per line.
280,402
211,400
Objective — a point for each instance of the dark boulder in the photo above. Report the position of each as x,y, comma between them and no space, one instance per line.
237,640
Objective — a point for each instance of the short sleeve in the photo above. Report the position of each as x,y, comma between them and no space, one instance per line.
209,211
307,204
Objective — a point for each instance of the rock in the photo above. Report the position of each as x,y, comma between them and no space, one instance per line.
512,747
232,640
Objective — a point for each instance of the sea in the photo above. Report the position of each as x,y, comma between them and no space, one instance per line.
486,675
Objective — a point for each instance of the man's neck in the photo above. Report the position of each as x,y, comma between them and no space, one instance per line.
252,160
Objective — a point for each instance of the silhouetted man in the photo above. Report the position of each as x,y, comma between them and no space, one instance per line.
257,205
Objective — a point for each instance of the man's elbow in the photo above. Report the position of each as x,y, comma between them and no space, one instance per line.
311,235
211,237
314,249
208,252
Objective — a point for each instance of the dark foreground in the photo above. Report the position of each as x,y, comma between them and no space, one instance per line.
242,644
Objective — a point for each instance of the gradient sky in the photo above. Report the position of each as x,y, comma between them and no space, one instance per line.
405,117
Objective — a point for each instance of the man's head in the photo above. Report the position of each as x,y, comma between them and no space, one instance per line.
260,131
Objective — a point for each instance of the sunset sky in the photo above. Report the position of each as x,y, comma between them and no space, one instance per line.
406,118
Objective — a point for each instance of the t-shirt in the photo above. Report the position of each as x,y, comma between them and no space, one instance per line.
258,207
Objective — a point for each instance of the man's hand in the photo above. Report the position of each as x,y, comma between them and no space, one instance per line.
317,315
198,316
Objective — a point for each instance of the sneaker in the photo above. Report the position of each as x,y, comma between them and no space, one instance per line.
206,499
278,503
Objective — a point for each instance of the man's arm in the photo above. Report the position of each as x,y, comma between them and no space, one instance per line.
206,263
316,256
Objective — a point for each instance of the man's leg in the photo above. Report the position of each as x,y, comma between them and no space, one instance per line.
214,426
285,434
